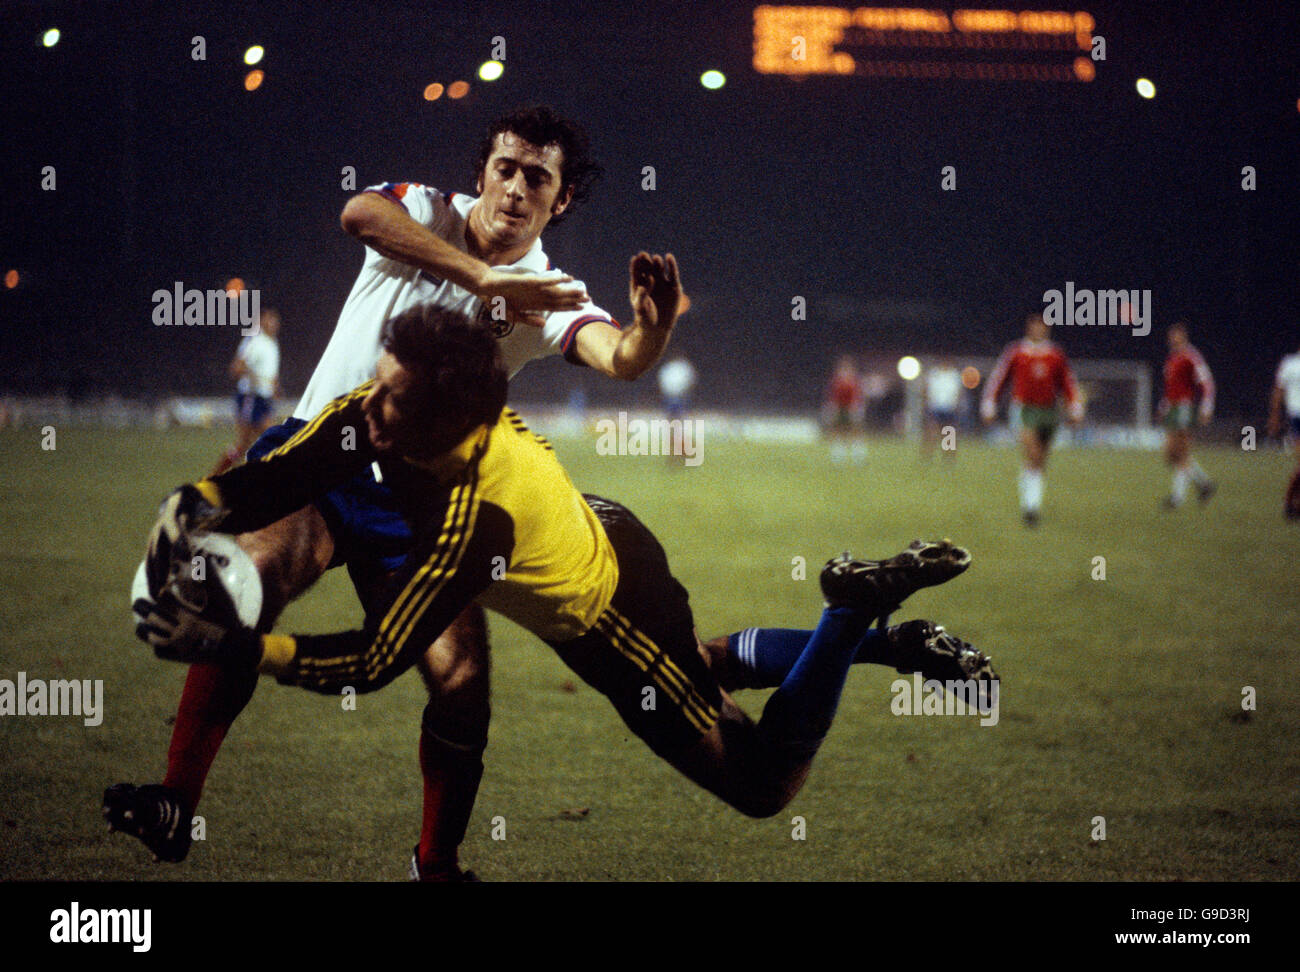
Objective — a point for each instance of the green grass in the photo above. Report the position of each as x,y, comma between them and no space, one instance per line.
1118,701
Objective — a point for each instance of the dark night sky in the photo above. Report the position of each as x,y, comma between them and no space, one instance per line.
826,188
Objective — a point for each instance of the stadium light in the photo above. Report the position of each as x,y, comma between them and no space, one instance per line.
433,92
713,80
253,55
970,377
253,79
491,70
11,279
908,367
458,89
1145,88
234,287
50,37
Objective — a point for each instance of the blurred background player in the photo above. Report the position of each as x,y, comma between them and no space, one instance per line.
676,380
1186,376
942,396
1286,398
256,369
1039,374
843,412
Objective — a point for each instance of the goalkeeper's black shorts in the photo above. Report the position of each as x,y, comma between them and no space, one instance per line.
641,653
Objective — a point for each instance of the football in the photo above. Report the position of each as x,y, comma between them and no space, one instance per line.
219,579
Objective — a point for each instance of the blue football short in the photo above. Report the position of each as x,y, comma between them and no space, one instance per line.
361,514
251,408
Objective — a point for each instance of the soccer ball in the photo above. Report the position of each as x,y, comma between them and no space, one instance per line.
220,579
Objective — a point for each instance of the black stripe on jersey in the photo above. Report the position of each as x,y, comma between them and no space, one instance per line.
336,405
490,535
419,590
513,418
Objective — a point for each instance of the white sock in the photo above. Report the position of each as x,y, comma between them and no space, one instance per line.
1034,492
1197,473
1031,489
1179,491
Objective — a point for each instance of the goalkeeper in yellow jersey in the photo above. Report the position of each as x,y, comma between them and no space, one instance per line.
496,520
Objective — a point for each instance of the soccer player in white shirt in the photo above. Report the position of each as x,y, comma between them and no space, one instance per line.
256,368
1286,396
483,256
942,397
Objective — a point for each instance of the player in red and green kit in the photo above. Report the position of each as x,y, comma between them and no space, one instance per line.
1186,376
1040,375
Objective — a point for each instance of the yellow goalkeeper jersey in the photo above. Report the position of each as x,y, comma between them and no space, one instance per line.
495,519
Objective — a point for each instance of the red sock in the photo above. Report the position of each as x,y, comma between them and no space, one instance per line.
452,772
213,697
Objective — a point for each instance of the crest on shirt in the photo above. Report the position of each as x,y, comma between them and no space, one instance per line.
499,327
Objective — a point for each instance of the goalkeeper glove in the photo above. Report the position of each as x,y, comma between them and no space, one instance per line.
177,632
181,513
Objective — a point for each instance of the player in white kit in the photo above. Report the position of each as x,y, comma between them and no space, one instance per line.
1286,398
942,397
256,369
483,256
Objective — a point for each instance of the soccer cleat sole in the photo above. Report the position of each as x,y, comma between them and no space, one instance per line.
925,647
879,587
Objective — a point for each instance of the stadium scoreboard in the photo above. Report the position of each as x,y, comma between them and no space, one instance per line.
912,42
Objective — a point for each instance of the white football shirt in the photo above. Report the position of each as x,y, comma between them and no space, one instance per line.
387,287
261,356
1288,379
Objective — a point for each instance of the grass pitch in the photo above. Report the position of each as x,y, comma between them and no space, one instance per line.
1121,699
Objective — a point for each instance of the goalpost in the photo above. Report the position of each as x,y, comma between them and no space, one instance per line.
1117,394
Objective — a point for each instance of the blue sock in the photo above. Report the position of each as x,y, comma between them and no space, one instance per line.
765,656
799,713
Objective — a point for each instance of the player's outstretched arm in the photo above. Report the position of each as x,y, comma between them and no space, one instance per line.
655,293
386,227
432,587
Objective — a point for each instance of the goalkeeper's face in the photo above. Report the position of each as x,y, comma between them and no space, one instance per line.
398,417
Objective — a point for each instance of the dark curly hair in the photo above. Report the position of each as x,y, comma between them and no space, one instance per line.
457,362
542,126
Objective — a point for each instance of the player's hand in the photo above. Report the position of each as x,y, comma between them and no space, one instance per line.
528,296
177,632
654,289
182,512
